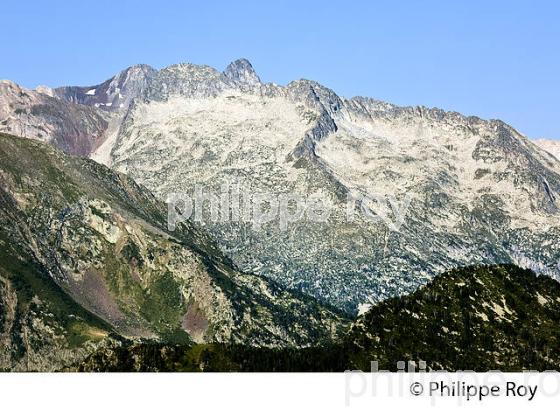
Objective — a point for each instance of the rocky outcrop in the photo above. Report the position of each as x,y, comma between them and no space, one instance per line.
241,72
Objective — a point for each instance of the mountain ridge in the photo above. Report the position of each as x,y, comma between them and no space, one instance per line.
464,168
79,94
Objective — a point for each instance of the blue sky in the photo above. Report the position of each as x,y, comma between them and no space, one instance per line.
491,59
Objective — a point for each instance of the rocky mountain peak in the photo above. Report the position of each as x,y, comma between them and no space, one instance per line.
115,94
241,71
43,89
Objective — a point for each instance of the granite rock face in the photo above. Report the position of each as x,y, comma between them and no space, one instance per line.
550,146
241,72
467,191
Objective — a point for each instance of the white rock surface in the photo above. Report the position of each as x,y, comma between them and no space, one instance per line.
551,146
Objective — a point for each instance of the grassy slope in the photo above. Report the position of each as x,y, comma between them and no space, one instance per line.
38,187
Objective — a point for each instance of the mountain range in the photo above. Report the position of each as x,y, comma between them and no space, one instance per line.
89,259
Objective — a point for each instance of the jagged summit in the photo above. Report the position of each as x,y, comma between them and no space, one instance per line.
241,71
